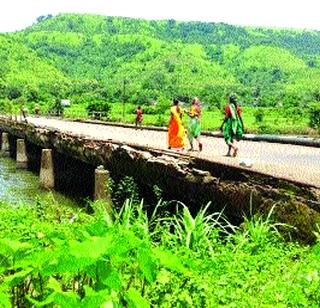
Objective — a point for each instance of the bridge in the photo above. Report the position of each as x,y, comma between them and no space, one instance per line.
286,173
300,164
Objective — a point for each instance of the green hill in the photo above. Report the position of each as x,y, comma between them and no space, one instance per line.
24,74
88,57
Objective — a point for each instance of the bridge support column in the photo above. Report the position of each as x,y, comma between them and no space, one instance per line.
22,160
5,147
101,189
46,169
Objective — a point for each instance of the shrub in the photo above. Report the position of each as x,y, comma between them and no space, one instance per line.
314,116
267,129
125,189
98,109
56,107
149,109
6,106
161,121
259,115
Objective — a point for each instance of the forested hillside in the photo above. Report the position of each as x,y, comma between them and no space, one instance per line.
87,58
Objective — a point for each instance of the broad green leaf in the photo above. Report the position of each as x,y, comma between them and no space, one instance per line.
169,260
93,248
146,264
10,247
4,300
67,299
135,300
49,300
17,278
95,299
113,280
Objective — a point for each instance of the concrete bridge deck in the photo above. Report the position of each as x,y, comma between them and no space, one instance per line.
296,163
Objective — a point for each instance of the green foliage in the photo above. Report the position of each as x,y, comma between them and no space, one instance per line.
86,58
55,107
259,114
314,116
98,109
125,189
136,260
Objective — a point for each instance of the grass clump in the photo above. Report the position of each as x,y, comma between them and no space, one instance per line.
53,256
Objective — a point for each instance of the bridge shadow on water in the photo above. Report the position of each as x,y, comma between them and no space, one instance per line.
73,178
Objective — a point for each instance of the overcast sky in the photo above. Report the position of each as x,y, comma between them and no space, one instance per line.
18,14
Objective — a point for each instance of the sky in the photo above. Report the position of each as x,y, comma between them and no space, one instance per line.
301,14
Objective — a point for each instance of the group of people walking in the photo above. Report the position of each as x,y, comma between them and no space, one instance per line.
232,126
176,131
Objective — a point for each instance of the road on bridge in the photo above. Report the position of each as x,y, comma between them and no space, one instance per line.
293,162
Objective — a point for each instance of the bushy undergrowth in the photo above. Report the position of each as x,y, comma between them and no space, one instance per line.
52,256
314,116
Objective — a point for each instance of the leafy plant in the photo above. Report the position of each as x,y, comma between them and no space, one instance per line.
56,107
133,258
125,189
259,115
98,109
314,116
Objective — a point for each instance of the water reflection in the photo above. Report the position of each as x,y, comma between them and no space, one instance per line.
22,187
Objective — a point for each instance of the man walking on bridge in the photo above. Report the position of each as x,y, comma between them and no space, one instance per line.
138,117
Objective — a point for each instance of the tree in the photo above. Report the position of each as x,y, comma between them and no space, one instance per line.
14,92
43,18
314,116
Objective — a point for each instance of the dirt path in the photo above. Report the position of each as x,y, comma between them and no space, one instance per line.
299,163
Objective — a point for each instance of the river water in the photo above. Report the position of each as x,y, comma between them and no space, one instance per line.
22,187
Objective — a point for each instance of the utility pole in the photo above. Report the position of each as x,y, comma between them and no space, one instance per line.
124,98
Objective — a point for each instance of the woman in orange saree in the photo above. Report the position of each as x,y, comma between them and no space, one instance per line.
176,131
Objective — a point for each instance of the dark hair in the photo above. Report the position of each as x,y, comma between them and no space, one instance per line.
139,107
233,99
175,102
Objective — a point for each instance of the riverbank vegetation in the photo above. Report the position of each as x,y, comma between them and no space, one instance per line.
53,255
109,60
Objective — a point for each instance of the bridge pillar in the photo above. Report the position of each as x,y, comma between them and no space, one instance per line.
101,189
5,146
46,169
22,160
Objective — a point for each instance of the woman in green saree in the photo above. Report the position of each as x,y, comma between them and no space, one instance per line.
232,126
194,126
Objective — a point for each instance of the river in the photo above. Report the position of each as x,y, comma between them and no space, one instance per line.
19,186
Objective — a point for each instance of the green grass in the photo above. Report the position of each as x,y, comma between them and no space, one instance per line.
275,120
132,259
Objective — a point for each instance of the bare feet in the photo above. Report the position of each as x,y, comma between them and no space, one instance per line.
235,152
